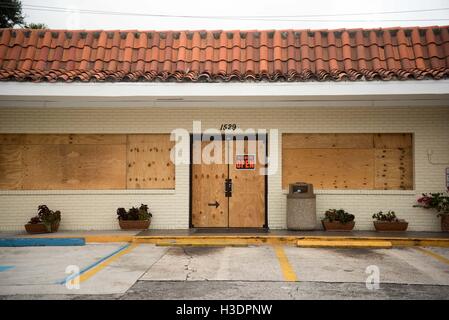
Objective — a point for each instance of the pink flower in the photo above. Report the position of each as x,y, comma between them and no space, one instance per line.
424,200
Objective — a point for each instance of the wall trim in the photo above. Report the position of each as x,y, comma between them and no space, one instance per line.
178,92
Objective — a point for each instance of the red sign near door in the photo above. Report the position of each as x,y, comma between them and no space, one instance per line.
245,162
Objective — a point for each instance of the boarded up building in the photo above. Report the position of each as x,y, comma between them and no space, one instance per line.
86,119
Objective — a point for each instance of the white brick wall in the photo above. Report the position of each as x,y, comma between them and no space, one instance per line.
95,210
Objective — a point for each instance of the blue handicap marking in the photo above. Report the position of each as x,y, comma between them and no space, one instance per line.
36,242
5,268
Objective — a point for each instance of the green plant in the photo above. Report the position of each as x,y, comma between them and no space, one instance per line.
35,220
141,213
436,201
11,13
390,216
340,215
46,216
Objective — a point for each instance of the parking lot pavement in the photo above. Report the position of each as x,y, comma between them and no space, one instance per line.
259,272
216,263
39,266
263,290
42,270
399,266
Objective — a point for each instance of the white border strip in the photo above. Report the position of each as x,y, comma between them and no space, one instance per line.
179,91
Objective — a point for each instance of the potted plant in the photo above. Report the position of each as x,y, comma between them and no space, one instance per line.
438,202
338,220
45,221
134,218
389,222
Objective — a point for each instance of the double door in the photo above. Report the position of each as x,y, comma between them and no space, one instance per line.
228,181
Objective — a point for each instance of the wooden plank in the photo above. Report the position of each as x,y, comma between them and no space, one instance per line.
394,169
15,139
76,139
148,162
329,168
103,139
393,140
11,167
74,167
247,204
327,140
207,187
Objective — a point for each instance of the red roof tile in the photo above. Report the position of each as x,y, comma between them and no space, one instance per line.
272,55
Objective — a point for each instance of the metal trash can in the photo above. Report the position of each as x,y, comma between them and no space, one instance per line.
301,207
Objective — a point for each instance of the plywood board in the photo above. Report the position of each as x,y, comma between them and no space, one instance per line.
16,139
148,162
11,172
87,139
394,169
329,168
327,140
74,167
247,204
208,187
392,140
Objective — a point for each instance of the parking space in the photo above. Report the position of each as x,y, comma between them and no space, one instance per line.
119,268
216,263
42,270
47,265
399,266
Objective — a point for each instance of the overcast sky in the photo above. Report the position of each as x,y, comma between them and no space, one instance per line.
234,14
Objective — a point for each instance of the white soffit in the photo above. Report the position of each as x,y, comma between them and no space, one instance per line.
373,93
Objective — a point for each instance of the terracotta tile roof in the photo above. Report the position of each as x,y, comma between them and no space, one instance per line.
276,55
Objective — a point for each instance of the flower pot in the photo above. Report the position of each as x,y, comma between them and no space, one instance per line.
390,225
337,225
445,222
40,228
134,224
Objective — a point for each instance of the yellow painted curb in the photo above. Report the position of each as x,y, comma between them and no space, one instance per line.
212,240
190,241
107,238
253,239
200,244
290,240
395,241
310,243
425,242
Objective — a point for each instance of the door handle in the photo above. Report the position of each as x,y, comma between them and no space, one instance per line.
228,188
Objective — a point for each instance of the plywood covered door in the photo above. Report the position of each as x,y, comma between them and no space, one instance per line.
209,203
214,204
247,203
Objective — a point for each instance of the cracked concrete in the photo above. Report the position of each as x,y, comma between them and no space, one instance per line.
187,265
217,263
